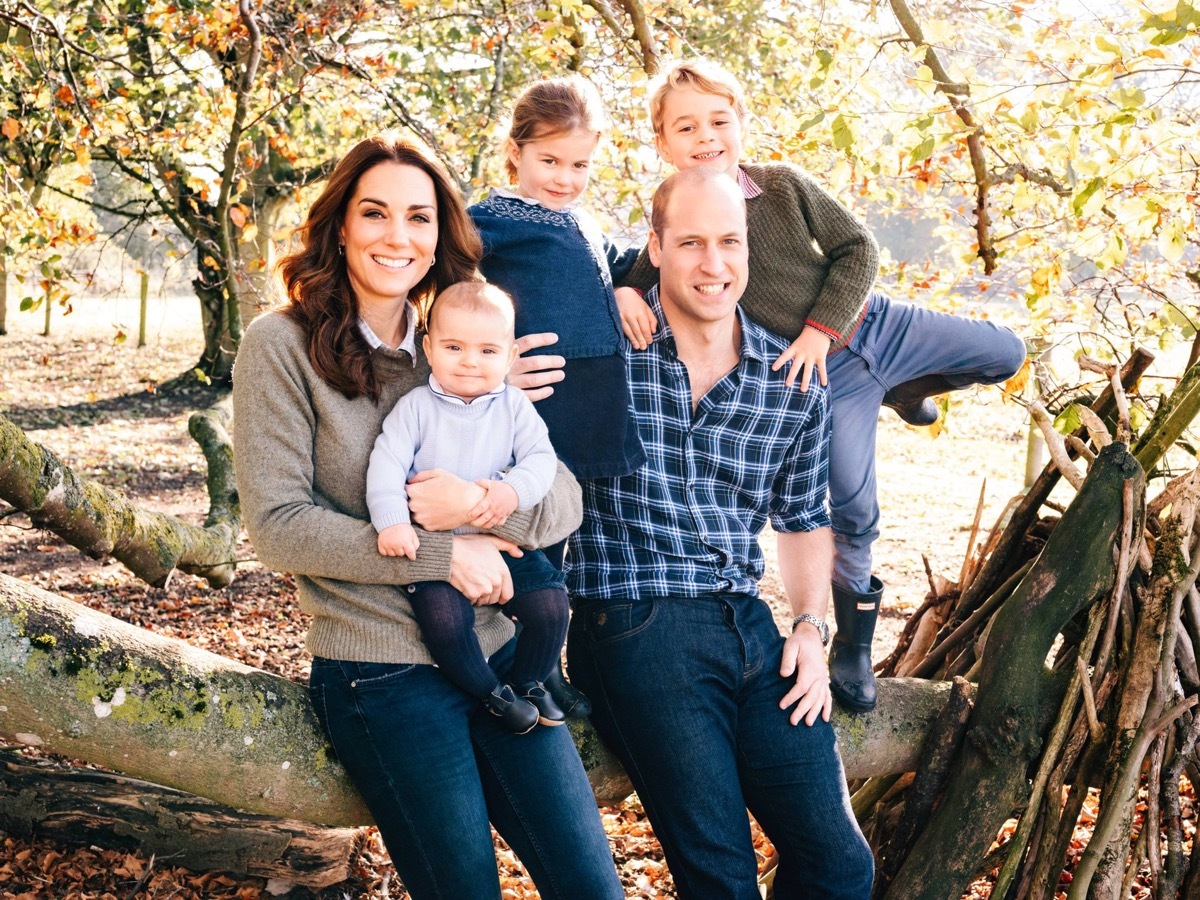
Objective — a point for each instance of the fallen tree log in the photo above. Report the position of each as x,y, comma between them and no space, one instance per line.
39,797
102,522
77,682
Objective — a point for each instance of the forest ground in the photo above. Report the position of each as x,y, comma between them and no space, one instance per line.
96,403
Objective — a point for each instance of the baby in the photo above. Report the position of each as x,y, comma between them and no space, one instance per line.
469,422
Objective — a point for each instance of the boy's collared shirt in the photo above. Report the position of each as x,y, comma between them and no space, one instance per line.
749,186
687,522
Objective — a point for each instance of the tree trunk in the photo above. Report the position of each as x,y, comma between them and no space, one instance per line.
1016,695
101,522
3,298
89,686
85,806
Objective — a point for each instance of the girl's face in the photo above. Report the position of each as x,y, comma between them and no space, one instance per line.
554,169
390,232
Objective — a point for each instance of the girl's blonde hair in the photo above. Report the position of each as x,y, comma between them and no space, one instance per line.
699,75
553,107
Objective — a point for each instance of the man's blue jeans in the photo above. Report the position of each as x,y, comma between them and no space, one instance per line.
434,768
686,691
896,342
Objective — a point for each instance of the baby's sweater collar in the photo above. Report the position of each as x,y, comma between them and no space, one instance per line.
476,405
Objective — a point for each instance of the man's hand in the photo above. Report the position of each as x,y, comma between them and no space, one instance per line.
637,318
497,505
806,353
399,540
535,374
804,656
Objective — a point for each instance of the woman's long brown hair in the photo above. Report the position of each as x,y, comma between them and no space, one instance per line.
321,299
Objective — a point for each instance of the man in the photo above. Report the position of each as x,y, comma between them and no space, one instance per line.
711,710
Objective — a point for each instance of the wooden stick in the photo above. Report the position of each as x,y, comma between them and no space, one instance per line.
967,566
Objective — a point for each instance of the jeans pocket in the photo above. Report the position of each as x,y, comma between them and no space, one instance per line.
370,675
608,623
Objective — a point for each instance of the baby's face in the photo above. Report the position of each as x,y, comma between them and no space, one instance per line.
470,351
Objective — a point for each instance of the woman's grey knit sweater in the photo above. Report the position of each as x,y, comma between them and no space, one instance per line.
301,451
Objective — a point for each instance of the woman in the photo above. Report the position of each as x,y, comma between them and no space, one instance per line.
312,385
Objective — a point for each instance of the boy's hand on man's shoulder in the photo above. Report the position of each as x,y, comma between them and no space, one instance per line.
806,353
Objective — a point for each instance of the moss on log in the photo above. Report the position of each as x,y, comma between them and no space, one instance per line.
102,522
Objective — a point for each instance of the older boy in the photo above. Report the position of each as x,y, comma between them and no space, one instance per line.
812,267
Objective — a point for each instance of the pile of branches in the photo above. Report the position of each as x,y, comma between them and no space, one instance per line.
1072,637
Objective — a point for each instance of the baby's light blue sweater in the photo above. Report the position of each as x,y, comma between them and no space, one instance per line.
498,436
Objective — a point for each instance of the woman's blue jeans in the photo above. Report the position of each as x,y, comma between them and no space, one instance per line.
896,342
435,768
687,691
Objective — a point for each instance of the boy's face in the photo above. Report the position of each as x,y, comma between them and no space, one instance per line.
699,129
554,170
469,351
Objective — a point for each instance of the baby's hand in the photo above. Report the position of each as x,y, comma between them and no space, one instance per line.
637,318
399,540
497,505
807,351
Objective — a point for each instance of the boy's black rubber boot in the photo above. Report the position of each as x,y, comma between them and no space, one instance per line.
569,698
911,399
850,674
548,711
516,714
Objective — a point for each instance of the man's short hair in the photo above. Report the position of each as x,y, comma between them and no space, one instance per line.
689,180
700,75
474,296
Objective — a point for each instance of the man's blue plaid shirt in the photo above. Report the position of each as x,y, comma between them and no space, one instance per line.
687,522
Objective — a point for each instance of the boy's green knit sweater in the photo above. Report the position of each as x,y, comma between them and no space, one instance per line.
812,262
301,451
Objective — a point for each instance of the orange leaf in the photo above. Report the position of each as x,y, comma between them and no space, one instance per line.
238,215
11,128
65,94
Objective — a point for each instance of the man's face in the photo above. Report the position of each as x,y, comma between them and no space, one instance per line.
701,255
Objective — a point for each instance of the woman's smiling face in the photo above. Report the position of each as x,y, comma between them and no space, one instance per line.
389,232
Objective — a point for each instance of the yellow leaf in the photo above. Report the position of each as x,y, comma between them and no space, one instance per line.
250,232
924,79
85,178
1114,253
1016,385
1172,240
11,128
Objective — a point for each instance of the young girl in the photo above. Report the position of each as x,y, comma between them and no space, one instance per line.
552,258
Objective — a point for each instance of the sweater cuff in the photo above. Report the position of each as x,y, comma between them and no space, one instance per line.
433,556
527,495
386,518
833,334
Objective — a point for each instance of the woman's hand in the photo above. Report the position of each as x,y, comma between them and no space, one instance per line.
535,374
478,571
806,352
440,501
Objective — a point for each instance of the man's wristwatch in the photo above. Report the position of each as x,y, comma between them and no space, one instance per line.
817,623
